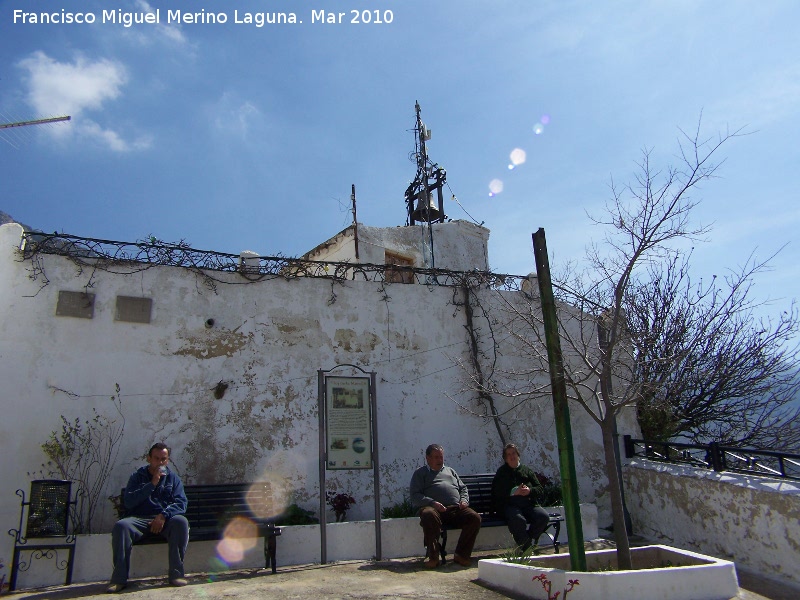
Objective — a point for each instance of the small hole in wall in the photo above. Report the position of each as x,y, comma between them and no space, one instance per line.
209,323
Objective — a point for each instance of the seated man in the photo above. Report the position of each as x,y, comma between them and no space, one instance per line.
440,497
155,503
515,490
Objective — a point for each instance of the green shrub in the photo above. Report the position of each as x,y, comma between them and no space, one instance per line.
518,556
398,511
294,515
551,491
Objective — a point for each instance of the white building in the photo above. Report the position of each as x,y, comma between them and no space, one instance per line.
221,363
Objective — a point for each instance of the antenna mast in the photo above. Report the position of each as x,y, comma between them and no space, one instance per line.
13,127
420,204
430,176
34,122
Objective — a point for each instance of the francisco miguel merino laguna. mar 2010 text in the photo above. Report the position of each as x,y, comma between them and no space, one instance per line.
258,19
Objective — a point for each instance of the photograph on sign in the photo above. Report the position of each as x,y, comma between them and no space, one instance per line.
348,423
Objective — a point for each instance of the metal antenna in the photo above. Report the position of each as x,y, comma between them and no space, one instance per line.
47,121
34,122
355,218
429,177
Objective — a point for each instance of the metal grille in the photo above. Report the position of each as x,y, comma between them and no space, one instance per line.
48,513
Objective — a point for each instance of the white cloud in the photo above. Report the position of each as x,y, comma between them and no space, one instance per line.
171,32
71,88
60,88
112,139
236,116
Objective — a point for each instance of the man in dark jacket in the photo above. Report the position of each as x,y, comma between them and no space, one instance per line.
515,491
155,504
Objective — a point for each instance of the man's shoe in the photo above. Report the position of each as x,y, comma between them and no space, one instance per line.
432,563
464,562
179,582
113,588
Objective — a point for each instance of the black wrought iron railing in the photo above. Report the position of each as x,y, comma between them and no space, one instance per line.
112,255
717,457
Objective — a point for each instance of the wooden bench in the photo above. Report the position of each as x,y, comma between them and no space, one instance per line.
480,500
211,508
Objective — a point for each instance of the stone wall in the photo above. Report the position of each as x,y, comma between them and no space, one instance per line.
754,521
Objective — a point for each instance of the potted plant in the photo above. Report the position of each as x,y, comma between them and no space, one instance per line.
340,503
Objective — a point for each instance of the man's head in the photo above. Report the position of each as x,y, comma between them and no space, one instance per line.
434,456
511,455
158,456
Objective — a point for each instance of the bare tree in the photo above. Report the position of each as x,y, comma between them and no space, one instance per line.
647,222
708,368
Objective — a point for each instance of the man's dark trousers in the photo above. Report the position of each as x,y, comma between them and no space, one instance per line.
467,519
131,529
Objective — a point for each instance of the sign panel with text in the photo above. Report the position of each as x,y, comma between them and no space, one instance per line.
348,422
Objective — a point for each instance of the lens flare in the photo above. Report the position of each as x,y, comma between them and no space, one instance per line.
545,119
240,536
495,187
215,566
269,497
518,156
538,129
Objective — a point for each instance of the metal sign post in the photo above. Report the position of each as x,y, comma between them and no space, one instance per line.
348,437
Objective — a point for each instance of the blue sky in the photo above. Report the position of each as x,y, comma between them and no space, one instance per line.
235,137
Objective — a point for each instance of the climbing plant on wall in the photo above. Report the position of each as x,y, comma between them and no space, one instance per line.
85,452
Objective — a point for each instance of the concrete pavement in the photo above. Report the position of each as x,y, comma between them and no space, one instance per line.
396,578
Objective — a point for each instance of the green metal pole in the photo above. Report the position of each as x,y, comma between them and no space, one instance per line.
566,455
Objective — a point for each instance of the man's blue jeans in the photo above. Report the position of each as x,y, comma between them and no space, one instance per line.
131,529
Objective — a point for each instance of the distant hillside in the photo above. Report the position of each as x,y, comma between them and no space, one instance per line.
7,218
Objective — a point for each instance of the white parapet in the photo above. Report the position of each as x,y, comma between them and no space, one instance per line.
297,545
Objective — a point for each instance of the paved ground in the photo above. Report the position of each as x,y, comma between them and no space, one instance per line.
397,578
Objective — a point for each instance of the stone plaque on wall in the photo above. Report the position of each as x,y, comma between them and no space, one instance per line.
75,304
133,310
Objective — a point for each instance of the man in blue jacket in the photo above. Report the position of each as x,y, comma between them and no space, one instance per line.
155,504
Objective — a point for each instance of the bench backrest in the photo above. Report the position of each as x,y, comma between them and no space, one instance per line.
211,507
480,493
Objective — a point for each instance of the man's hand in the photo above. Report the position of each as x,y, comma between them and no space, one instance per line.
157,524
463,504
522,490
156,477
439,507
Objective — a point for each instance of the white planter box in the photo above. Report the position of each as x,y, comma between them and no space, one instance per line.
662,573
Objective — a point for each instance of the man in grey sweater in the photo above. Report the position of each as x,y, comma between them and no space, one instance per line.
440,497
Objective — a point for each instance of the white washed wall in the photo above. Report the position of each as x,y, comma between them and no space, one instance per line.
268,341
457,245
754,521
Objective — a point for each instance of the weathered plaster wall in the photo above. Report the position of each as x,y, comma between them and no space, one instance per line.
457,245
268,341
754,521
